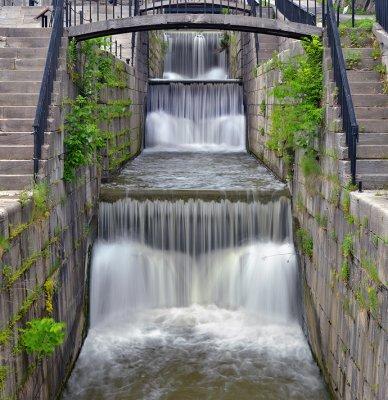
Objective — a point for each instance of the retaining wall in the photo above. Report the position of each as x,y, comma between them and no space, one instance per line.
345,313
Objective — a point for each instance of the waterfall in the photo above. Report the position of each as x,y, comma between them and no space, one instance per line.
175,254
194,55
196,117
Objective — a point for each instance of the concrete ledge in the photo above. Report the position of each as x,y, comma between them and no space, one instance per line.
193,21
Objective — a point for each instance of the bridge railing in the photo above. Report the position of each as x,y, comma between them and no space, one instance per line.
345,101
44,101
85,11
382,13
301,12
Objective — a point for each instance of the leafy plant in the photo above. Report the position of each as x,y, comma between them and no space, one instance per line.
306,242
40,198
24,198
42,336
298,113
347,245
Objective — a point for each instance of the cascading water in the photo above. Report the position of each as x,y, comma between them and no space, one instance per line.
195,298
194,55
195,117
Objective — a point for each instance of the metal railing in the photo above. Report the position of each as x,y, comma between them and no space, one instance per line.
382,13
345,101
85,11
304,12
44,101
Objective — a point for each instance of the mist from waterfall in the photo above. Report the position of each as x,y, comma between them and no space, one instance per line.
194,55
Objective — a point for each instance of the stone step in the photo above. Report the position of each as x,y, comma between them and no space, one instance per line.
373,138
15,182
17,112
12,75
16,138
20,86
25,32
19,167
372,125
30,42
18,99
373,181
367,151
367,64
366,87
370,100
31,87
20,152
19,124
363,76
378,166
29,64
371,112
14,52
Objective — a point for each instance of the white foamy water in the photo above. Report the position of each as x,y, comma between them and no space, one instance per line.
196,117
194,55
195,300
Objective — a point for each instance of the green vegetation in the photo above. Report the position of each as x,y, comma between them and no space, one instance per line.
345,272
4,245
305,241
347,245
352,58
42,336
321,220
97,70
40,197
49,288
3,375
298,114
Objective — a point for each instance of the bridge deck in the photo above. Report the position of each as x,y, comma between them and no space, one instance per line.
193,21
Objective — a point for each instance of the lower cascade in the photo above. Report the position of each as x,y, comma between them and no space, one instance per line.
192,300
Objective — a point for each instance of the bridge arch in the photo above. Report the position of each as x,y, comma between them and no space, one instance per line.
240,23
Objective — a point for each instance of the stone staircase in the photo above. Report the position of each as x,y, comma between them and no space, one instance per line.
22,59
371,107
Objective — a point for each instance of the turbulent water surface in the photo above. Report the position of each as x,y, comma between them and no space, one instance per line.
194,288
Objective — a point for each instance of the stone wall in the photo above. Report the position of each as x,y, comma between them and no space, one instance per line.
342,245
157,51
46,239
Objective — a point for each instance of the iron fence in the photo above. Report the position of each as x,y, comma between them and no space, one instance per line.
345,101
46,89
304,12
382,13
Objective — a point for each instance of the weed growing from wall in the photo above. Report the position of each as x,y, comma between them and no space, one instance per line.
42,336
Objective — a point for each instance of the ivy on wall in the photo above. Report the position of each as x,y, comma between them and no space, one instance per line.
297,113
91,69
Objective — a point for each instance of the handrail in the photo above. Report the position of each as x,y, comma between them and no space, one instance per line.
382,13
349,121
46,88
296,12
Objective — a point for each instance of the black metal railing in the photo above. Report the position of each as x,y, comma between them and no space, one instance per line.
382,13
46,89
85,11
345,101
303,13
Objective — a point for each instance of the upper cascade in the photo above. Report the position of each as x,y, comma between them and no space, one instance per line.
195,55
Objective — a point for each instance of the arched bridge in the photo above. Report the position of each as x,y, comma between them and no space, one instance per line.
193,21
87,20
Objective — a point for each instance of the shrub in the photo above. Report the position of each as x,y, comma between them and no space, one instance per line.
42,336
306,242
